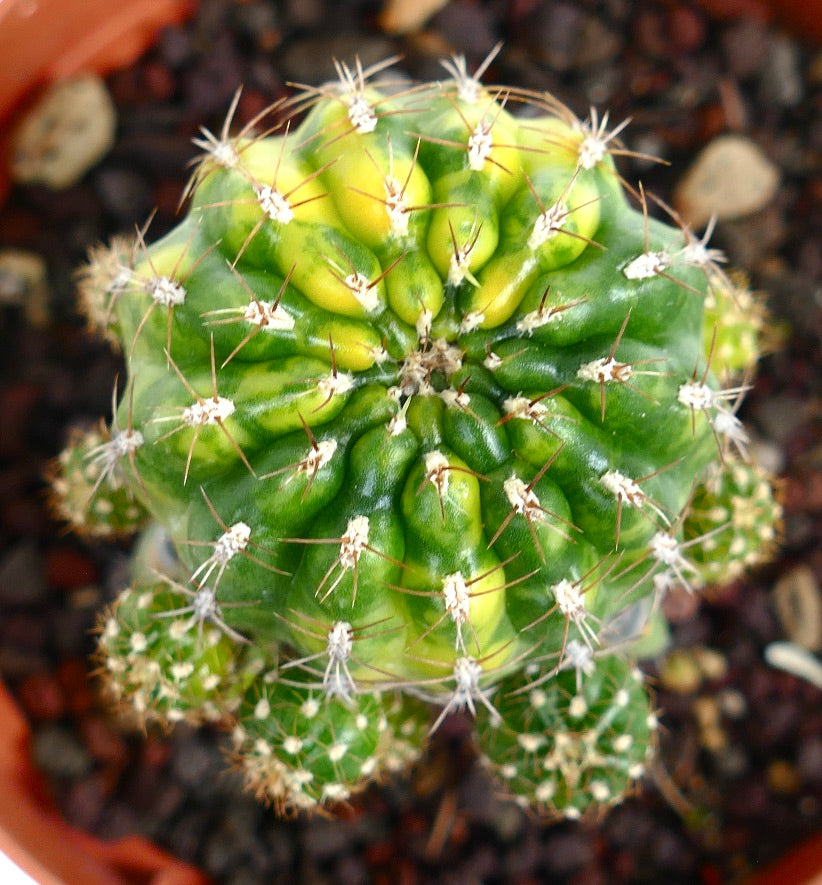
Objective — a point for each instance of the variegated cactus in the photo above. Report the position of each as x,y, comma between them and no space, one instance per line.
421,399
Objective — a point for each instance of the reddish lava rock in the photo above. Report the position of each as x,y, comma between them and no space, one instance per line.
68,569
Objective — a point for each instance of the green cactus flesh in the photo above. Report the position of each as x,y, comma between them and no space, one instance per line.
89,490
734,521
579,740
419,397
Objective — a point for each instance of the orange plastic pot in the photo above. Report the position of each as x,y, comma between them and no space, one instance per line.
38,840
44,40
801,866
803,18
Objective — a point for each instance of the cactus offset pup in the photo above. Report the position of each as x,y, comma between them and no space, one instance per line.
421,400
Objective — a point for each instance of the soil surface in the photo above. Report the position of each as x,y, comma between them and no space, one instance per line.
739,778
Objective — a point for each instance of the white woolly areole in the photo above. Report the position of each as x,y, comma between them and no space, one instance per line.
379,354
623,743
480,145
600,791
647,265
137,642
120,281
577,706
417,368
696,251
318,456
335,383
125,442
492,361
521,498
471,321
423,323
223,153
292,745
340,642
181,670
457,597
623,488
395,206
274,204
522,407
570,600
414,373
663,582
455,398
335,792
459,266
548,223
530,742
397,424
436,470
360,287
728,425
594,145
578,656
309,708
603,370
107,455
208,411
166,292
545,791
360,113
262,709
537,698
666,549
467,673
270,317
696,395
592,150
354,541
468,87
337,681
337,751
231,542
535,319
204,604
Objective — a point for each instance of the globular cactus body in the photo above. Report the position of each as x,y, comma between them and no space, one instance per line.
420,399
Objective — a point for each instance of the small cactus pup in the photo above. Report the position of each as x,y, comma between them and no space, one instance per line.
421,397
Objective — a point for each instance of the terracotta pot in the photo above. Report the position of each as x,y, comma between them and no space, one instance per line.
38,840
43,40
803,18
801,866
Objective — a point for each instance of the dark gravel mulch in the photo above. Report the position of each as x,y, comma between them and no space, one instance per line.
740,774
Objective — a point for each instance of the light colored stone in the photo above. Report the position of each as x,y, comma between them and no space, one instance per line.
64,134
680,672
798,604
730,178
406,16
24,282
794,659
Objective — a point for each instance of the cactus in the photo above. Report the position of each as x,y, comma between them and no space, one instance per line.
421,396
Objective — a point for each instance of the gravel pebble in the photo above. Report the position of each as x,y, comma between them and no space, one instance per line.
22,577
730,177
66,132
59,754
